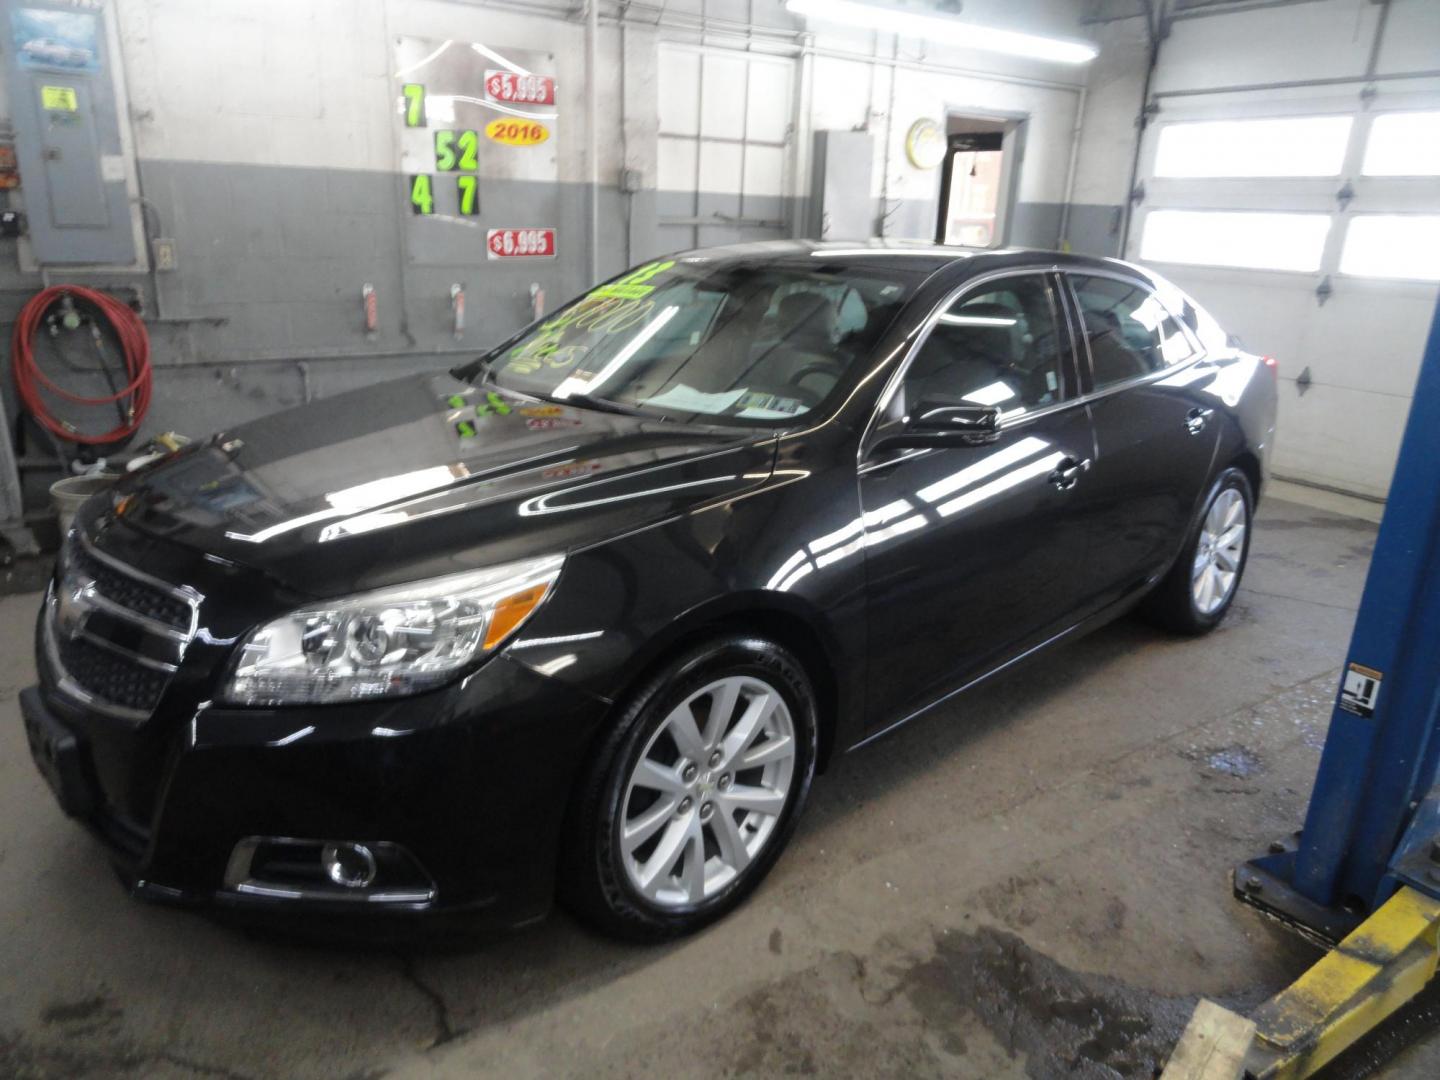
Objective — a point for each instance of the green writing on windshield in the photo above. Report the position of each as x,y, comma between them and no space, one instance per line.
633,286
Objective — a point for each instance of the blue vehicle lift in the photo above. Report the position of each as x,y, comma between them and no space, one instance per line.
1363,875
1374,816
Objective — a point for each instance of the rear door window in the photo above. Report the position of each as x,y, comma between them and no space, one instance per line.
1129,332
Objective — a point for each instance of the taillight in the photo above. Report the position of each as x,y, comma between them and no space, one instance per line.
1272,364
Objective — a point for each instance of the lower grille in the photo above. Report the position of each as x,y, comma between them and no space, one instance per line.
111,677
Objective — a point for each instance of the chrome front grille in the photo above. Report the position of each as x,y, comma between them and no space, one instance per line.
118,586
115,635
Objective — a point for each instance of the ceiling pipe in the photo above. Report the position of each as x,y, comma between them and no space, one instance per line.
592,33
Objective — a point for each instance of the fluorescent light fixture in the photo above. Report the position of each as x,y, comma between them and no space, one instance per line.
946,29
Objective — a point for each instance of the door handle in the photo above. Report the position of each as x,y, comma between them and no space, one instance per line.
1067,473
1196,419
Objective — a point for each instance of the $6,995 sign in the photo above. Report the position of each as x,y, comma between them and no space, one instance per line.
520,243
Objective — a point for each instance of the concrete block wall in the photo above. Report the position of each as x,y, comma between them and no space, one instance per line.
264,144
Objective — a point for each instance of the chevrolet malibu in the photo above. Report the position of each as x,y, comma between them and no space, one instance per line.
583,618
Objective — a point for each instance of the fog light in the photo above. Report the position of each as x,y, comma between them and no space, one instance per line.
349,865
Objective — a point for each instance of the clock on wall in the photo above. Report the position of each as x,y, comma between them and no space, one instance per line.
925,144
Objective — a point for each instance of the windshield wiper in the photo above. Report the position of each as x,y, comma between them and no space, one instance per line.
599,404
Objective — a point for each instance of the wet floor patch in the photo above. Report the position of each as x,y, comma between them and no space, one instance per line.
1233,761
1061,1023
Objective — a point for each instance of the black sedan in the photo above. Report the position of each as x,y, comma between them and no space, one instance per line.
585,617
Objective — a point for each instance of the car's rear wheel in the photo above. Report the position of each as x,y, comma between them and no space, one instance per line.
1199,589
694,792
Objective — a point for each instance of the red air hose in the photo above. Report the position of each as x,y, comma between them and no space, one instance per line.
30,380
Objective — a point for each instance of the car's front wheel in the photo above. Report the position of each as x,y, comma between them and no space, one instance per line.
1199,589
694,791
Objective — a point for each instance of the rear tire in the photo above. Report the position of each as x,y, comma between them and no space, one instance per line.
693,793
1194,596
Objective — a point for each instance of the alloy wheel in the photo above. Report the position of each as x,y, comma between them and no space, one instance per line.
708,791
1219,552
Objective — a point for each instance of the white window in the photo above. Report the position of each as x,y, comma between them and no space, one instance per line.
1393,246
1404,144
724,145
1257,240
1289,146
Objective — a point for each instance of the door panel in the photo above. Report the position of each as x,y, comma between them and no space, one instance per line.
972,550
1155,434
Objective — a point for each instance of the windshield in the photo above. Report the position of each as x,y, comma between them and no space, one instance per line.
752,343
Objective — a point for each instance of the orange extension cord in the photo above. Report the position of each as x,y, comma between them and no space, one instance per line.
30,380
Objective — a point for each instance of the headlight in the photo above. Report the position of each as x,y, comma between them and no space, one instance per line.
387,643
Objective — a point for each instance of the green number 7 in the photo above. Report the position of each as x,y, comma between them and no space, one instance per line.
468,201
414,104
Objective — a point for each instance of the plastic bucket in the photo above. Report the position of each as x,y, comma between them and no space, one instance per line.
67,495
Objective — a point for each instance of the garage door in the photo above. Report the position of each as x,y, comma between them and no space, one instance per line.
725,146
1309,223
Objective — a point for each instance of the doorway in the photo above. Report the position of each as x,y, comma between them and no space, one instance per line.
976,181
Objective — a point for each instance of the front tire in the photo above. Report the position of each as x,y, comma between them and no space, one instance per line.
1199,589
693,792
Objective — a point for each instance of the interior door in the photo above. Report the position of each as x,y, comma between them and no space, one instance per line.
973,550
1157,422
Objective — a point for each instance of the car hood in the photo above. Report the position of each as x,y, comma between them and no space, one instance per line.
428,475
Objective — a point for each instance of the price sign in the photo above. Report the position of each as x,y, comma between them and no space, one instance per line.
519,89
520,243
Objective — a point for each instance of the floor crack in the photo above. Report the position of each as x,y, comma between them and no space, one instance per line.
445,1029
197,1066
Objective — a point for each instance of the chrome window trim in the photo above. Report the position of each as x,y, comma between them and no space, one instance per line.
1077,344
898,375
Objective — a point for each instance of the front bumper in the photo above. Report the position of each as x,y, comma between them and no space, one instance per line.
471,781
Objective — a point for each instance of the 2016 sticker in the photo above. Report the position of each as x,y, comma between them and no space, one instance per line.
517,132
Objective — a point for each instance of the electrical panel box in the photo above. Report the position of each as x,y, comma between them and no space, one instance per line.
841,206
67,133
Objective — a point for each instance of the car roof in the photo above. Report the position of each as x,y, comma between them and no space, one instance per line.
916,256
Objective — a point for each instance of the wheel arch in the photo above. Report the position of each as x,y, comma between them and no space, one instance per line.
1249,464
785,620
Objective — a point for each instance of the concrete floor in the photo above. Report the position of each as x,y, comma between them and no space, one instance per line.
1031,882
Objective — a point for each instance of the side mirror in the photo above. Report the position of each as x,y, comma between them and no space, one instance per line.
934,425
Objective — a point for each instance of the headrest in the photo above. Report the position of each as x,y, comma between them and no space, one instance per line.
807,322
